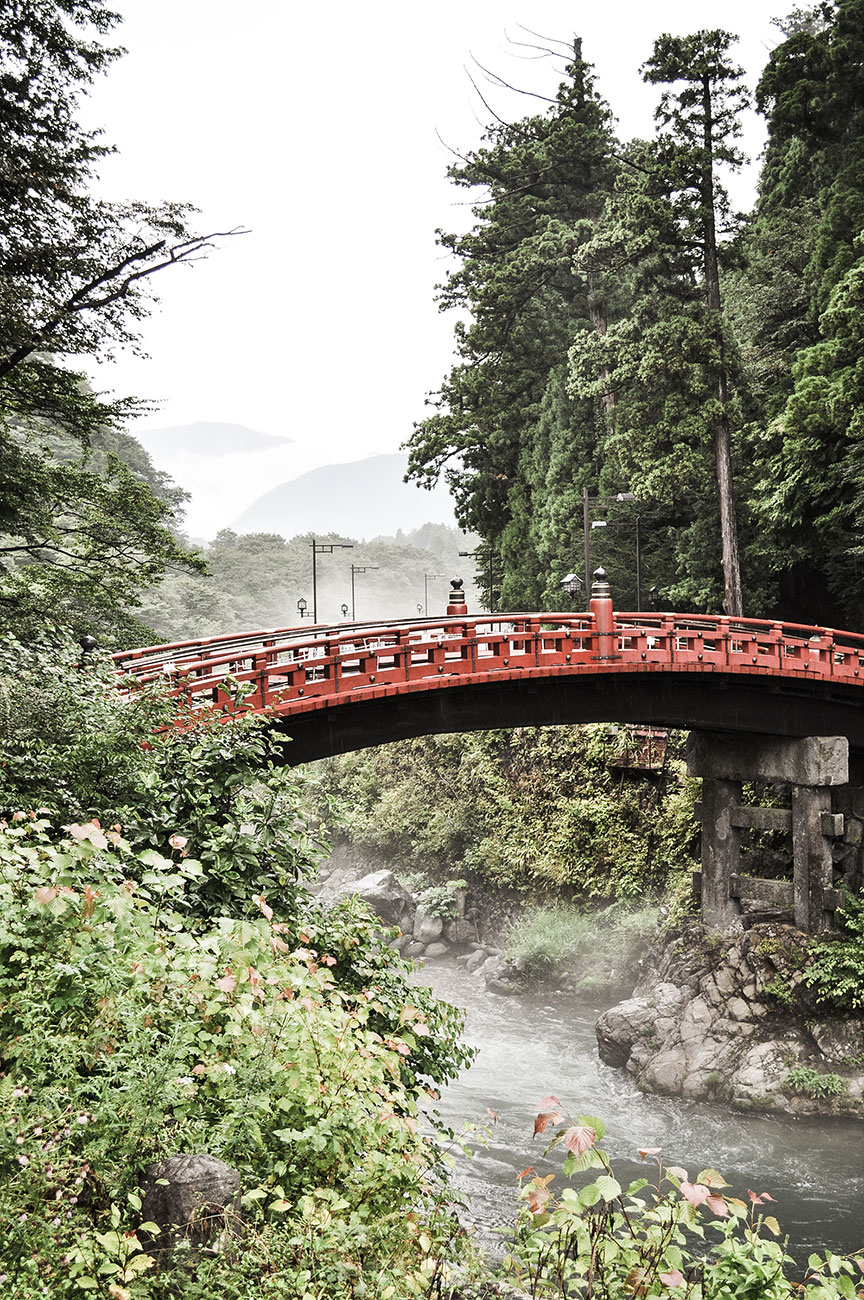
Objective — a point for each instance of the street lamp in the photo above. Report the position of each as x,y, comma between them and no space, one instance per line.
358,568
323,548
601,523
426,577
344,611
419,608
302,606
491,591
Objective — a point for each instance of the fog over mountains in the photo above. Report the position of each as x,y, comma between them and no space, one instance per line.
364,498
250,481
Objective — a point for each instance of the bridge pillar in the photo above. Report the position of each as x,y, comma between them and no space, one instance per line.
813,767
721,843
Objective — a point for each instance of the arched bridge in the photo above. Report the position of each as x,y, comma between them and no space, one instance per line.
348,686
763,700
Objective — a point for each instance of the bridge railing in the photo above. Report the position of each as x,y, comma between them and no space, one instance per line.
299,668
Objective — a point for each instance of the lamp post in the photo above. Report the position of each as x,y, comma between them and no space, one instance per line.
302,606
344,609
587,502
358,568
491,577
426,577
419,608
323,548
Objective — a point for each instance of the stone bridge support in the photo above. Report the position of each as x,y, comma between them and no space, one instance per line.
816,768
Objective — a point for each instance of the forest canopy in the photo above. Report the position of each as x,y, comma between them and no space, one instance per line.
622,330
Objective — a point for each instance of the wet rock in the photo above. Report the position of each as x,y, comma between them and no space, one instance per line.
476,959
415,950
437,949
459,932
192,1197
841,1042
384,894
427,928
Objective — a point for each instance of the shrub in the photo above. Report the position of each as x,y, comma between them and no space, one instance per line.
127,1035
810,1082
836,969
544,937
664,1237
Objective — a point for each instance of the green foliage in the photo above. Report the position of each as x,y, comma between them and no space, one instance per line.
658,1237
529,809
176,781
558,933
836,967
235,1037
813,1083
80,534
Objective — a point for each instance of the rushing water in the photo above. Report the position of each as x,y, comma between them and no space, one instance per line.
531,1047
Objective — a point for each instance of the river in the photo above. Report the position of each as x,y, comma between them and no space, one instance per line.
531,1046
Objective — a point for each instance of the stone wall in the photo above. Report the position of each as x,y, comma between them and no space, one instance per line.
718,1017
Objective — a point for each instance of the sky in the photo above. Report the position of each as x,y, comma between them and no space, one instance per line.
325,131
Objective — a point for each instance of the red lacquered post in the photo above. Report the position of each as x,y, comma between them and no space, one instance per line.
604,616
456,607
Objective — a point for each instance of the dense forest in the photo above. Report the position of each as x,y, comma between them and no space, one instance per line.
628,333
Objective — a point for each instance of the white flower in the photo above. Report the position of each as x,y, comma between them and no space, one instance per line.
229,1069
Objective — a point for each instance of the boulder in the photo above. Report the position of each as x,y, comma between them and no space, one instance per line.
191,1197
437,949
427,928
384,895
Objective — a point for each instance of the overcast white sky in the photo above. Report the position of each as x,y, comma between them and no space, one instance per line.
315,127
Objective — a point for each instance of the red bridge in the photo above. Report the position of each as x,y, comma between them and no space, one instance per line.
344,687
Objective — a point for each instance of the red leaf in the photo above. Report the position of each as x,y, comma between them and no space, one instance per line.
227,984
579,1139
542,1122
264,908
537,1198
673,1278
46,894
549,1103
523,1173
695,1193
649,1151
718,1205
677,1172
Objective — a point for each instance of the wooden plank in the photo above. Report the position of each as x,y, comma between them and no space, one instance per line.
779,893
762,819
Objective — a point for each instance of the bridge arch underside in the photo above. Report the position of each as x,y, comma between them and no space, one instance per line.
734,702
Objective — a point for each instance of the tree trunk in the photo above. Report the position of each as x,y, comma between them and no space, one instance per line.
733,602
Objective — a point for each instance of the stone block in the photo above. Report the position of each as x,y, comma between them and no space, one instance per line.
813,760
191,1197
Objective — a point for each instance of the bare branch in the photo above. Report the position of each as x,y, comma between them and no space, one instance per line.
82,299
493,77
540,37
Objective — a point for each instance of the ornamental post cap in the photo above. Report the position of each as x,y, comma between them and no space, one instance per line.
600,588
88,644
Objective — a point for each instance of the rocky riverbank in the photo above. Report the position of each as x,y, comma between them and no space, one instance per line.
725,1017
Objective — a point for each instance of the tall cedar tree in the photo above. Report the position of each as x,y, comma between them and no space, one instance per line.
79,534
543,179
808,336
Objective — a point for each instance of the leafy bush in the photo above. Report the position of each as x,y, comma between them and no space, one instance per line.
77,746
561,932
664,1237
836,969
804,1079
126,1036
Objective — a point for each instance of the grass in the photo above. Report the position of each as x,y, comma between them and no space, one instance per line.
561,932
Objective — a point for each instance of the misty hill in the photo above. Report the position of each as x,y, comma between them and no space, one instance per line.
207,438
364,498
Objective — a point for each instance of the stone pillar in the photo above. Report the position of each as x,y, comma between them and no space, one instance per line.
811,852
720,852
